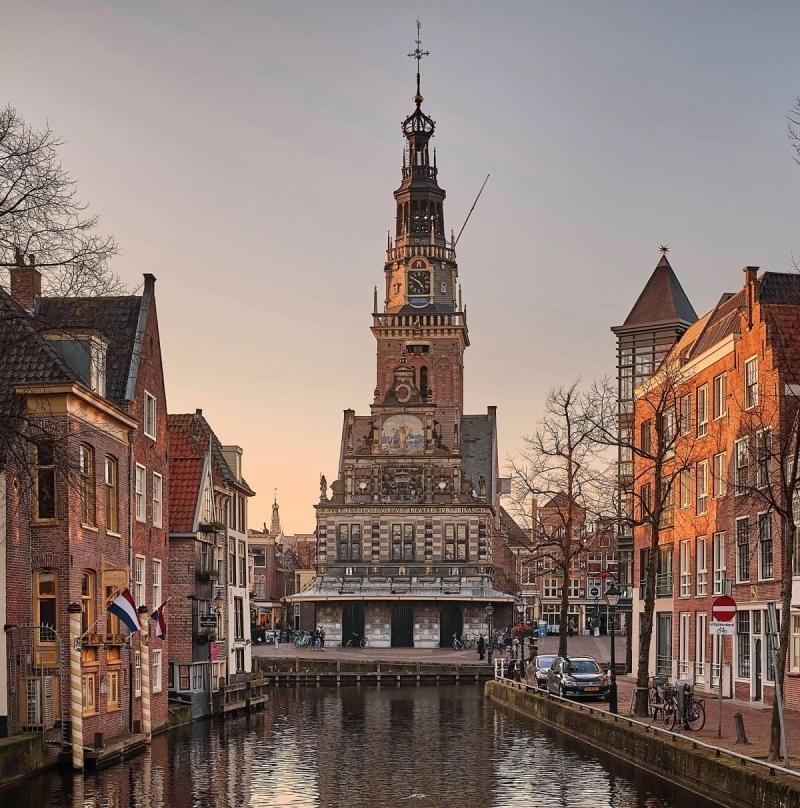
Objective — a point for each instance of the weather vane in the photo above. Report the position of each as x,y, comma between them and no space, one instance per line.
418,53
664,249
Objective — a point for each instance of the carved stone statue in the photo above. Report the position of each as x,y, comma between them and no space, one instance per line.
482,487
323,488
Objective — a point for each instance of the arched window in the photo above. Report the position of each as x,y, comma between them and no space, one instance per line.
87,485
88,603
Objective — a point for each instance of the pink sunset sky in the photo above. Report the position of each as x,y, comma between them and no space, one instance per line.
246,152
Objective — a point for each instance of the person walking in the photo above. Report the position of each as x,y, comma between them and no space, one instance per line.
571,626
481,647
322,638
510,661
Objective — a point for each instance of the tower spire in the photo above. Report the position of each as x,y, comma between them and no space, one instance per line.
418,54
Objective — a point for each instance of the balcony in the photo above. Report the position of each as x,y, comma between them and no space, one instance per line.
207,572
401,251
400,322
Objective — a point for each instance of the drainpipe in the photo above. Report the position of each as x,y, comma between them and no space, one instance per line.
75,685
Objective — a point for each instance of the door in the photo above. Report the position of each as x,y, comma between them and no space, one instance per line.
402,625
352,621
451,622
757,678
664,643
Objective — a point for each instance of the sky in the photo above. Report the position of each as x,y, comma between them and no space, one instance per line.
245,153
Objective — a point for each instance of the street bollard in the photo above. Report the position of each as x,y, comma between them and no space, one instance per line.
740,734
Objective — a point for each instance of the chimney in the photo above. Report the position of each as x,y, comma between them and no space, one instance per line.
26,280
750,291
198,411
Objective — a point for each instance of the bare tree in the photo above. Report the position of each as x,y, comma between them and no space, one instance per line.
558,463
793,122
659,452
40,214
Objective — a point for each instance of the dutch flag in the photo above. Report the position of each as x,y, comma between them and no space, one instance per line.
125,608
161,623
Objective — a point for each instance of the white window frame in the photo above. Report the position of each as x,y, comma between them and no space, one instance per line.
765,518
718,561
751,383
686,414
140,580
685,485
702,410
141,493
719,481
794,645
137,674
158,499
156,582
686,570
741,462
156,672
739,520
150,415
683,646
701,566
700,634
720,404
701,484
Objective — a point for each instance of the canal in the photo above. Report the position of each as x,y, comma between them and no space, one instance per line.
431,747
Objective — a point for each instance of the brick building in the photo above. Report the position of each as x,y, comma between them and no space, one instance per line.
72,377
734,394
281,565
208,561
405,539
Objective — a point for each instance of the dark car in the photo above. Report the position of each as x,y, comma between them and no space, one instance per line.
578,677
537,675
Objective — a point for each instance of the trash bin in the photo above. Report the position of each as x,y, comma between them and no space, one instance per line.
542,628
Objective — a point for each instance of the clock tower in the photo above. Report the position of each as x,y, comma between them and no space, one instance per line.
422,317
405,535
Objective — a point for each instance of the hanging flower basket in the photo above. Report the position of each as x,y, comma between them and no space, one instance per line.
522,630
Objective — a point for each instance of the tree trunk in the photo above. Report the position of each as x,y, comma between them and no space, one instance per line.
562,629
646,633
786,548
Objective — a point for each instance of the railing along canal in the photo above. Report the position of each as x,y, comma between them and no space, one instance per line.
772,768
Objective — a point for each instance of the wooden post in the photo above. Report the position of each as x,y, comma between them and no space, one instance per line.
741,737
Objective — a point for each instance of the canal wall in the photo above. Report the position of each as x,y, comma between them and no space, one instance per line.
724,780
23,755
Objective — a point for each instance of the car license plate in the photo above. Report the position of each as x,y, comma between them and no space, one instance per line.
591,689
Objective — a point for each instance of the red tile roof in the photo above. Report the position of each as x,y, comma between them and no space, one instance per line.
188,447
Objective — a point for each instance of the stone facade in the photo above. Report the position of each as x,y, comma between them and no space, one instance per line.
405,538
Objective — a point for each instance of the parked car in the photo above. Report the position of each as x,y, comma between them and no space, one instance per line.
578,677
537,674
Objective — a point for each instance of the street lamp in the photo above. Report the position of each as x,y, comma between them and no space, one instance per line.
612,599
489,612
521,609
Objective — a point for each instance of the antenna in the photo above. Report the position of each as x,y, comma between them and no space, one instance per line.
470,211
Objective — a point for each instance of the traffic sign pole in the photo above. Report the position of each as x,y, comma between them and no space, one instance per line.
723,610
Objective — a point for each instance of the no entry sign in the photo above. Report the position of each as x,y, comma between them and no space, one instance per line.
723,609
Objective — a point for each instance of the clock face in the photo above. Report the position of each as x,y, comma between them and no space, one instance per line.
403,393
419,282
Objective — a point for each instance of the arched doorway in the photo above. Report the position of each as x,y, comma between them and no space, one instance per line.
352,621
402,625
451,621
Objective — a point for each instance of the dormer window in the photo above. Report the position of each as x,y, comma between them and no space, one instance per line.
85,354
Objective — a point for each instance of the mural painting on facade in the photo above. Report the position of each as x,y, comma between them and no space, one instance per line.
402,433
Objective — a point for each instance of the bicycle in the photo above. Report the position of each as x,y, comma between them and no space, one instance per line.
694,711
458,643
302,639
357,640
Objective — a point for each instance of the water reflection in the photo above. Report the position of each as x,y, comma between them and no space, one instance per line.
361,748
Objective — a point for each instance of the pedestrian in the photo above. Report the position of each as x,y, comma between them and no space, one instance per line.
510,661
571,626
530,672
322,638
315,637
481,647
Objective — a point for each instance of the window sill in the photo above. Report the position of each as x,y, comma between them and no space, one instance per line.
43,522
141,521
90,713
93,528
114,534
160,690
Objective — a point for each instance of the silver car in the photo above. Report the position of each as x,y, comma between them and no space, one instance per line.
537,674
577,677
